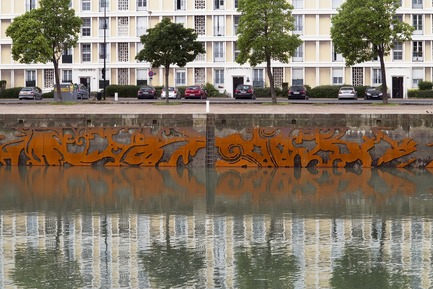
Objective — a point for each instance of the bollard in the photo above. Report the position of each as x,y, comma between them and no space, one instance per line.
207,106
116,96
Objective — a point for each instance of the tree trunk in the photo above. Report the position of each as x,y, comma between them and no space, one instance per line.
167,70
383,74
271,80
57,79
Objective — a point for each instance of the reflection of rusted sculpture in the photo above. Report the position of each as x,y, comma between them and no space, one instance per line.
274,147
148,188
108,146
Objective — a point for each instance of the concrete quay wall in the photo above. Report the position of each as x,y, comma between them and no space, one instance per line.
220,140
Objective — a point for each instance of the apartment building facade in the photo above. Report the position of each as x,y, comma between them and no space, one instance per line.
215,21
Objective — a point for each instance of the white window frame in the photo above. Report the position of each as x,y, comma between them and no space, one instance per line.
31,75
86,29
417,51
180,79
218,4
297,76
30,5
86,54
219,76
101,52
141,5
298,56
417,23
179,5
141,25
101,26
397,51
236,51
376,76
336,3
86,5
236,19
67,75
298,4
417,76
299,24
101,5
218,51
258,77
219,25
417,4
180,20
337,76
336,57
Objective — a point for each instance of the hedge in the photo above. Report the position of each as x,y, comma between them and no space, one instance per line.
11,92
416,93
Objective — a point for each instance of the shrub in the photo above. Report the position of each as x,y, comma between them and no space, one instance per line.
416,93
211,90
122,90
324,91
425,85
11,92
262,92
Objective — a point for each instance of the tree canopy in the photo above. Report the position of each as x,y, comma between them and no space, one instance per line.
367,29
264,34
41,35
169,43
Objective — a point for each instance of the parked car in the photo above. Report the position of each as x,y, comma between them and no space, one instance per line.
244,91
146,91
373,93
173,92
297,91
30,93
82,91
347,92
195,91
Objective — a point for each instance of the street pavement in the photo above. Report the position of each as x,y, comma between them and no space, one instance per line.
110,106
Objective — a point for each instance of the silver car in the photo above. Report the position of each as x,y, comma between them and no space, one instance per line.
347,92
30,93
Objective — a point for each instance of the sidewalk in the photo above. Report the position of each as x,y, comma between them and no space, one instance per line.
111,107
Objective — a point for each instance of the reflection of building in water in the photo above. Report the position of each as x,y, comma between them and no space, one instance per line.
108,247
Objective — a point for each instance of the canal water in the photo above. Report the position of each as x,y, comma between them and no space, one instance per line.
225,228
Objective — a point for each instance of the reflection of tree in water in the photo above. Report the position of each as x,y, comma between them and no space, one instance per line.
357,268
266,266
259,267
45,269
172,266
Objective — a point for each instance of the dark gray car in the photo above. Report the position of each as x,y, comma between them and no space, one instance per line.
373,93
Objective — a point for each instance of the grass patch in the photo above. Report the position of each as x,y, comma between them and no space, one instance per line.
165,103
64,103
278,103
384,104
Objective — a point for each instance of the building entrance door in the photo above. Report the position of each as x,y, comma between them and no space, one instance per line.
397,87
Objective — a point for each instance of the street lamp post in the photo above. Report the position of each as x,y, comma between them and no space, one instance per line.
105,47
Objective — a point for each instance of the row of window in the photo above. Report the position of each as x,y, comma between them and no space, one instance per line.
123,5
258,76
219,54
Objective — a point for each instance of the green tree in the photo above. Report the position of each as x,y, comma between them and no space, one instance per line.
42,34
169,43
264,34
365,29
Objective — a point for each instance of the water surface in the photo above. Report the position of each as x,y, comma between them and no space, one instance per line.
227,228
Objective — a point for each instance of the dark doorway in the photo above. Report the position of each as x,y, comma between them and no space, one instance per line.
397,87
236,81
86,82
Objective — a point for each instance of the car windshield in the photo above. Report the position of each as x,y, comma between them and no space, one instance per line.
346,88
27,89
193,88
146,88
243,87
297,88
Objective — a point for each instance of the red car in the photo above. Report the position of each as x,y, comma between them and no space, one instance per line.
195,91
